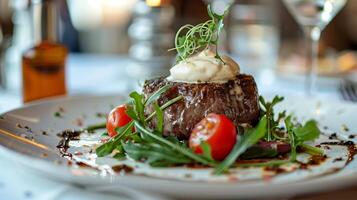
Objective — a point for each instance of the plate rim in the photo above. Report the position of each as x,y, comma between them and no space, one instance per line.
328,181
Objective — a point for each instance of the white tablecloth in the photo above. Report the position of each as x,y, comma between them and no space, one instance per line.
17,183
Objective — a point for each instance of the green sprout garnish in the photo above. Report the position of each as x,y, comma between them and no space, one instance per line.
191,39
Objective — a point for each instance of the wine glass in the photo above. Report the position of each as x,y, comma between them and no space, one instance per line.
313,16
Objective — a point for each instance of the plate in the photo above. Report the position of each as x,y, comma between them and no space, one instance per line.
29,136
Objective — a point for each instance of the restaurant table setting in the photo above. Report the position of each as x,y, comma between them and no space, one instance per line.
30,185
116,106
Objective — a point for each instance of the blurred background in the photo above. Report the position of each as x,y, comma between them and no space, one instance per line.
113,45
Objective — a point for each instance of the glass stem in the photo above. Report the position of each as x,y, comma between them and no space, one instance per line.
313,36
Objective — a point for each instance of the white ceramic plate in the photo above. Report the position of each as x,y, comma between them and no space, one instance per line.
22,139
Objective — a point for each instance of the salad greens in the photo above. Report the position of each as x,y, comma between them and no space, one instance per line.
138,141
147,144
268,111
299,134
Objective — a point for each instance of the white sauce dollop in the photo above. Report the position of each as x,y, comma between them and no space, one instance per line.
204,67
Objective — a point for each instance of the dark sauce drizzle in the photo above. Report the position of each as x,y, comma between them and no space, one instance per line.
122,169
66,136
63,146
313,161
352,150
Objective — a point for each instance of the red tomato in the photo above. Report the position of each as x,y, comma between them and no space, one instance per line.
117,118
217,131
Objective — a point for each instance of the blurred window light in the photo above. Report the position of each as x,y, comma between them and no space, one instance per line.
219,6
80,17
91,14
157,3
153,3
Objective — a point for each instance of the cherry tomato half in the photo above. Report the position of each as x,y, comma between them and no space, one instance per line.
217,131
117,118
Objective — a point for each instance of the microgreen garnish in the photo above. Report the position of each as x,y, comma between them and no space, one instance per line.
191,39
268,111
299,134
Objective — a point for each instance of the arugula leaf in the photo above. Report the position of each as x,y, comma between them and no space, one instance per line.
155,96
138,102
308,132
300,134
131,113
95,127
297,136
312,150
154,154
134,137
176,141
288,123
249,138
262,101
267,109
165,105
126,131
292,138
108,147
105,149
159,118
206,148
180,149
276,100
119,156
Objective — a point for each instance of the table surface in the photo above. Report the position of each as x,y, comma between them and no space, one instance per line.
103,75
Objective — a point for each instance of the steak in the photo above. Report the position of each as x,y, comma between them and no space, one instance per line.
238,99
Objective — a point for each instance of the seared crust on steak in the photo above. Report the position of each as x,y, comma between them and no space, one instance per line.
237,99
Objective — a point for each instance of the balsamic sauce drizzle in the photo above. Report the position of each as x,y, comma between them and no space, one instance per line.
351,147
63,146
70,135
66,136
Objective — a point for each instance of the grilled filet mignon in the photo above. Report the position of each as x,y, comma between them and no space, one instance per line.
237,99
